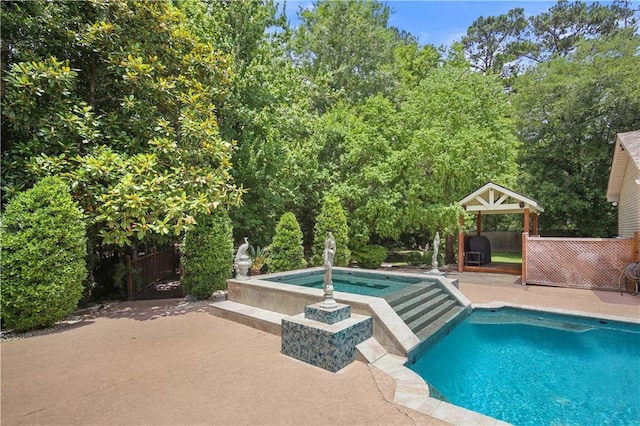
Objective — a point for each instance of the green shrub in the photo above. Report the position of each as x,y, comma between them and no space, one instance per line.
208,255
416,258
331,218
43,256
286,251
371,256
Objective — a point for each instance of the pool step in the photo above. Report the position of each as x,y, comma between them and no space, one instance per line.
370,351
409,293
425,307
446,313
432,306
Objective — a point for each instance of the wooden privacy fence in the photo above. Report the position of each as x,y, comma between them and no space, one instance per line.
504,241
593,263
150,268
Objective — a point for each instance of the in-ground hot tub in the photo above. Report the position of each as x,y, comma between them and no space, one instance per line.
273,292
377,284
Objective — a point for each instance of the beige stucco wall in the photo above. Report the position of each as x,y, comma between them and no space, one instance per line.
629,206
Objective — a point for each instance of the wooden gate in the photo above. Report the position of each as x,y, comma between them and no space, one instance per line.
150,268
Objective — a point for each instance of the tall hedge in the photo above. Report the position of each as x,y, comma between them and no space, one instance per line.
208,255
286,249
43,256
331,218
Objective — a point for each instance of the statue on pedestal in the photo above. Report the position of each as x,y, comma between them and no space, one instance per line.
436,246
327,257
242,262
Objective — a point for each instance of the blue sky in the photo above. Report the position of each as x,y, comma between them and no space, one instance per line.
439,22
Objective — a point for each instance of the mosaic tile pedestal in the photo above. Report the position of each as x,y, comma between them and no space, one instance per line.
325,337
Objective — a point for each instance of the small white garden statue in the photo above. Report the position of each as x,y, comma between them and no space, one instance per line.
434,260
327,257
242,262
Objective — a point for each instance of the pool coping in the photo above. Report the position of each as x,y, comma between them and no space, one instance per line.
412,390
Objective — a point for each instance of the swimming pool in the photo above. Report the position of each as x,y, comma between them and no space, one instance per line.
356,282
532,368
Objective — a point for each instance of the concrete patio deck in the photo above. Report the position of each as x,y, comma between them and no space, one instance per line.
167,362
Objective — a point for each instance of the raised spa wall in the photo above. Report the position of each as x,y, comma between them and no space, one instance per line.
388,329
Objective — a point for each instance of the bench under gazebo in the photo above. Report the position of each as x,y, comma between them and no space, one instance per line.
474,252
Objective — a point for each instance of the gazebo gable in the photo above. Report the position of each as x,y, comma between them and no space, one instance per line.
495,199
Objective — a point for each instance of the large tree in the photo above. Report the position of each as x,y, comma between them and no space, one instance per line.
569,111
345,48
494,41
402,169
120,98
267,109
509,42
564,25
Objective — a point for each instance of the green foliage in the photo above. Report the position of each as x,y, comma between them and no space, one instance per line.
43,256
370,256
286,249
569,111
266,112
494,41
416,258
412,62
332,218
208,255
207,102
402,169
559,30
120,99
346,49
259,256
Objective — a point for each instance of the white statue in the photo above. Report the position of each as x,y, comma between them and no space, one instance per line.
436,245
242,263
327,257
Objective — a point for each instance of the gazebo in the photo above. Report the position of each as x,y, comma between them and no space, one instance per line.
494,199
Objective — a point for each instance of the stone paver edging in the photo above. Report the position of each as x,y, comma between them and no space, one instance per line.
412,392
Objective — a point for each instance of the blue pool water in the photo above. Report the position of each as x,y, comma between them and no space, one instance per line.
357,282
532,368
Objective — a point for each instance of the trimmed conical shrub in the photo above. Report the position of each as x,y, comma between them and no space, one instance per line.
208,255
331,218
286,249
43,259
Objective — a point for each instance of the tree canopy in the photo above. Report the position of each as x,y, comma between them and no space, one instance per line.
120,99
569,111
158,112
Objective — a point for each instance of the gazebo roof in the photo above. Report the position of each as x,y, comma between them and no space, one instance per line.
495,199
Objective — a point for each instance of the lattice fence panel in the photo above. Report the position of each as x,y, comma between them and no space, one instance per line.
577,262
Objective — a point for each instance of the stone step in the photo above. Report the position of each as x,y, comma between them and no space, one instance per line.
448,319
418,300
369,351
261,319
424,308
408,293
431,316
